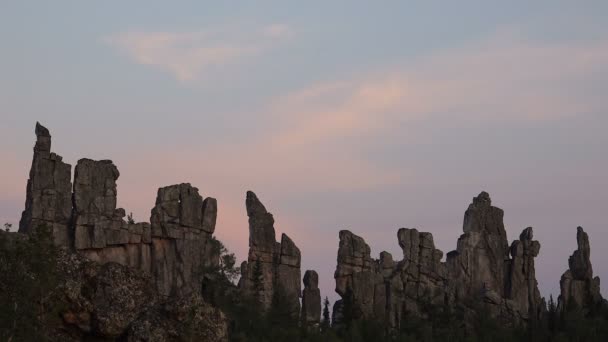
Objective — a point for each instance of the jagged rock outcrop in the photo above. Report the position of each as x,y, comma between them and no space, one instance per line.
174,248
579,289
49,190
272,268
385,289
311,300
480,273
484,267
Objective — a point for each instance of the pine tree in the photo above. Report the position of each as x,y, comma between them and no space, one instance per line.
325,323
258,281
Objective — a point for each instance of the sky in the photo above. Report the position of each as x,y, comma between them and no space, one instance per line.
354,115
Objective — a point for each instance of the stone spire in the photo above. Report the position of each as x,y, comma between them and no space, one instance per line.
278,262
311,300
49,191
579,289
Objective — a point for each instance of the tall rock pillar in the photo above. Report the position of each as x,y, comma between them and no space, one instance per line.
272,269
49,191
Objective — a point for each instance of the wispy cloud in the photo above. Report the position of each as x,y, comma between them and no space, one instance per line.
504,78
187,55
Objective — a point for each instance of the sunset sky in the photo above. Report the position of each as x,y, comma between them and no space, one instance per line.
368,116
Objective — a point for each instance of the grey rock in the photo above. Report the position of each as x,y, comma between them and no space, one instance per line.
49,191
578,288
279,262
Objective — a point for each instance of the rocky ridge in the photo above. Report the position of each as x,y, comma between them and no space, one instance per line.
483,271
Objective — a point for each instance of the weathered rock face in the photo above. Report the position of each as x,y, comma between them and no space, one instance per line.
182,226
278,264
97,222
311,300
579,289
49,190
479,271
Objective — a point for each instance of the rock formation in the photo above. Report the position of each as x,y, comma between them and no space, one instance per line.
480,271
479,261
522,287
272,269
49,190
579,289
174,248
482,266
311,300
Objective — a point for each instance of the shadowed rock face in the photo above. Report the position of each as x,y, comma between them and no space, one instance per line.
311,300
279,262
49,190
579,289
479,271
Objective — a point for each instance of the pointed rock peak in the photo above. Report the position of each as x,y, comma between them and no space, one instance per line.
527,234
582,239
253,204
42,131
483,199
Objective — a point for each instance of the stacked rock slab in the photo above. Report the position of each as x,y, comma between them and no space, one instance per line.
275,265
579,289
97,221
175,248
311,300
49,191
182,226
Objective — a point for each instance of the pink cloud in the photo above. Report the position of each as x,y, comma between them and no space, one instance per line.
187,55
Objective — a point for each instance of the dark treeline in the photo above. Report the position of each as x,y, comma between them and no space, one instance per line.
27,308
441,323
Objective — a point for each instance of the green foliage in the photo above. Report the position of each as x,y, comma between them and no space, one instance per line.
28,282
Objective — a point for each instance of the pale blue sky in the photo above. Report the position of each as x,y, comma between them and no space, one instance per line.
342,114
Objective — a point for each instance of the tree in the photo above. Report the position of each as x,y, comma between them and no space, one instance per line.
325,323
7,226
258,280
130,219
29,300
